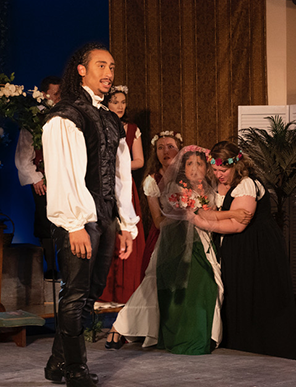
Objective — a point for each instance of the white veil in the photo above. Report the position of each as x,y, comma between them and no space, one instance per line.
181,194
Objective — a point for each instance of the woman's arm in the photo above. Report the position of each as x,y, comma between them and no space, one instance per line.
138,156
227,226
157,216
240,215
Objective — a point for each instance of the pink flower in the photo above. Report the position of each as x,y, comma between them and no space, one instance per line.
218,162
173,198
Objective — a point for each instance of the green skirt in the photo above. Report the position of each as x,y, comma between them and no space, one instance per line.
186,315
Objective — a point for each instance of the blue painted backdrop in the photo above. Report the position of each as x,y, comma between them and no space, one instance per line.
42,36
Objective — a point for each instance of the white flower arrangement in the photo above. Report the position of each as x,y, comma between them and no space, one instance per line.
38,95
167,133
26,109
119,88
10,90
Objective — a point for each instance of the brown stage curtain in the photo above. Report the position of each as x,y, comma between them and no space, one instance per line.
189,63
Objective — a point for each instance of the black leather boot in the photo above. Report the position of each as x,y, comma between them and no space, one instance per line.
79,376
55,367
76,370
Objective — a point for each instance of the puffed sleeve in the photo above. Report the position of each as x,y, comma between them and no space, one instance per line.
138,133
150,187
247,187
123,190
24,159
69,203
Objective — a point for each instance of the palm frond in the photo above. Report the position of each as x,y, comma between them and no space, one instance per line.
274,154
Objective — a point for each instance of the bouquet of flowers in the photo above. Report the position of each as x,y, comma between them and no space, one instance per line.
27,109
189,198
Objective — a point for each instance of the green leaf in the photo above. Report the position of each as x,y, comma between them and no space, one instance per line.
274,154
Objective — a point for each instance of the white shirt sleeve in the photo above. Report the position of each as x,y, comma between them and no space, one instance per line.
138,133
123,190
24,156
69,203
247,188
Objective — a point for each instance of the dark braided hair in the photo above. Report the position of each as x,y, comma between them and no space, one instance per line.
72,81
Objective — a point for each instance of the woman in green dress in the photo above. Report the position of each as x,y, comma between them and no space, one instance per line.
190,290
183,273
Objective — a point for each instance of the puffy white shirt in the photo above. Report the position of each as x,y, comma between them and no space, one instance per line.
24,159
69,203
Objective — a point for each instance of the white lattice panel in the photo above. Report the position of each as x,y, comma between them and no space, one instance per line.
254,116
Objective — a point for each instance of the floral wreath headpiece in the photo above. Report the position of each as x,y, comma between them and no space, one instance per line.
167,133
230,161
118,89
196,148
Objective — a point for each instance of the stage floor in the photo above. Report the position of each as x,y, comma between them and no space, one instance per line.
133,366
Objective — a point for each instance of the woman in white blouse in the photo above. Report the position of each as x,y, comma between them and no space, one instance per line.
140,316
259,309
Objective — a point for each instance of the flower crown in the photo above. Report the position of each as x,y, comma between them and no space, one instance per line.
196,148
230,161
167,133
118,89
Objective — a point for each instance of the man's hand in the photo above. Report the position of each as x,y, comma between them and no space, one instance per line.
80,244
40,188
126,244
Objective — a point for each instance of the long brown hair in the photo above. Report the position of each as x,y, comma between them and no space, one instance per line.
153,166
225,150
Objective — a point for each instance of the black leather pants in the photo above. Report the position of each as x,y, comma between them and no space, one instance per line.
83,280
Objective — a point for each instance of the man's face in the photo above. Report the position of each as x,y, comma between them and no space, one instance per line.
99,73
53,93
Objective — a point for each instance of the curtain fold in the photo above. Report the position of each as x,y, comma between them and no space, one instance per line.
189,64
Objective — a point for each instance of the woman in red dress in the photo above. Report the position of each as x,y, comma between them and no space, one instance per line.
165,146
125,275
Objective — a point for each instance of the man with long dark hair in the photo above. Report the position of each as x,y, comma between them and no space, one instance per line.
87,168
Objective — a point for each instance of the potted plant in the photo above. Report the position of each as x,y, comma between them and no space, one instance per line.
274,153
